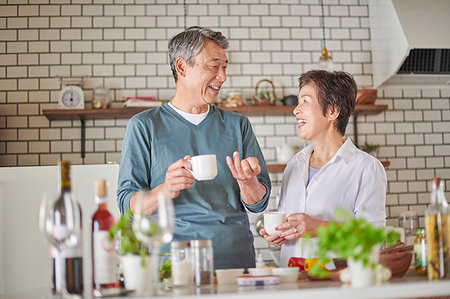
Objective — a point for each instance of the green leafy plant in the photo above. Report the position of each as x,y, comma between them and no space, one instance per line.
129,243
351,238
370,148
165,271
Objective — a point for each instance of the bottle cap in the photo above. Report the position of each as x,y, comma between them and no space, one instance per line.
100,186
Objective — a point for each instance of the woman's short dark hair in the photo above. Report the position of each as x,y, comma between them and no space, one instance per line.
335,90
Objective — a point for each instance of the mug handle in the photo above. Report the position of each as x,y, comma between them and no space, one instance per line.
192,172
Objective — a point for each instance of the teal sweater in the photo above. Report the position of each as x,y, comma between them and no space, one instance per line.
213,209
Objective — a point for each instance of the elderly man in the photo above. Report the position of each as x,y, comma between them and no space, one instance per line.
159,142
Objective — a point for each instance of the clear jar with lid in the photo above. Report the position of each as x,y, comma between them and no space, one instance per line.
420,251
181,264
203,262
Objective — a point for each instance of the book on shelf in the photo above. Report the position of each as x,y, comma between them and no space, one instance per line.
142,102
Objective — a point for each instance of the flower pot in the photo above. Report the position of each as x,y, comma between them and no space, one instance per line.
137,277
360,275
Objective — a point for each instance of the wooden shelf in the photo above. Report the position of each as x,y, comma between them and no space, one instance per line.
125,113
276,167
273,168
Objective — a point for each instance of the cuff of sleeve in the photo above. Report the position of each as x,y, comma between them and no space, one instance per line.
260,205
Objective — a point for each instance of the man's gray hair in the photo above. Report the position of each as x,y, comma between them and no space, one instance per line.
189,43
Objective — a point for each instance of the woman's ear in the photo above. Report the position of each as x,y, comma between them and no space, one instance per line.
333,113
180,66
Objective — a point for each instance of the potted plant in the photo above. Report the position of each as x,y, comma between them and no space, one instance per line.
359,242
370,148
136,263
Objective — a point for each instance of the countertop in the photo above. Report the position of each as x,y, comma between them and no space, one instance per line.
410,286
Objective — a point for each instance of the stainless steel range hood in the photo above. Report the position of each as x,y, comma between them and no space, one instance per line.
399,26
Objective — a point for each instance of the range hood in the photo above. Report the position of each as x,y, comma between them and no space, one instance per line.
410,41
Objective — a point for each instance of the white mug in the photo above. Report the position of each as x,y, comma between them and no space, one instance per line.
204,167
272,220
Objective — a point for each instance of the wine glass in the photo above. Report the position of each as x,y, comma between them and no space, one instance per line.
154,229
60,223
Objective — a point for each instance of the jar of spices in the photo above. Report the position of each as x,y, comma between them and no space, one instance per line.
420,251
181,264
203,262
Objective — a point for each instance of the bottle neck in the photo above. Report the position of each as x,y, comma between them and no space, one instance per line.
100,201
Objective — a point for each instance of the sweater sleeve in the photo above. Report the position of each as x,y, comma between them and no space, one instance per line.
252,149
134,164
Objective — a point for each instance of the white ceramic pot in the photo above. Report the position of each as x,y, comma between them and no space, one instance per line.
138,278
361,276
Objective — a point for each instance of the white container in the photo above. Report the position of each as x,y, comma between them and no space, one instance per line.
259,271
228,276
138,278
181,262
287,274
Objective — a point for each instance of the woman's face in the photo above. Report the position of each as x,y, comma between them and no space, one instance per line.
312,124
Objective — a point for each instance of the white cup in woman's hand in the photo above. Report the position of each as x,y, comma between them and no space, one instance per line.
204,167
272,220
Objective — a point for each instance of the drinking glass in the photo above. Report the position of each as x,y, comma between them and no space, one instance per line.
60,223
409,221
154,229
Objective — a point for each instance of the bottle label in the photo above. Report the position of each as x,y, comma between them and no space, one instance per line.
105,259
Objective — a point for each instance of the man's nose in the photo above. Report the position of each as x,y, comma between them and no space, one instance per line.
221,75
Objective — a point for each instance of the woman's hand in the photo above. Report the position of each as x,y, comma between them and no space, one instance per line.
298,224
276,241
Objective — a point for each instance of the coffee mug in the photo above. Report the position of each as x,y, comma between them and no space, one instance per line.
272,220
204,167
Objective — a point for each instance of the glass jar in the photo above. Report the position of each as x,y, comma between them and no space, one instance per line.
181,264
101,99
420,251
203,262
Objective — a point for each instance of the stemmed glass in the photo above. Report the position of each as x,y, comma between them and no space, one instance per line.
154,229
60,223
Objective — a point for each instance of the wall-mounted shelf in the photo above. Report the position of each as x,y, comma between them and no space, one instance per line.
280,167
126,113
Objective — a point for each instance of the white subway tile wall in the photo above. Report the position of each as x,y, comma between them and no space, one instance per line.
123,45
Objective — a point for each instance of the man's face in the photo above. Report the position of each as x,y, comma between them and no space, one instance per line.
205,77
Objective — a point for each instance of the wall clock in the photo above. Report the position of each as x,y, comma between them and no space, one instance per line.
71,97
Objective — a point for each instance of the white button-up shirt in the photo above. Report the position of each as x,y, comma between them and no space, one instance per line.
352,180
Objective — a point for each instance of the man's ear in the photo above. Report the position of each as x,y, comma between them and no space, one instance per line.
333,113
180,66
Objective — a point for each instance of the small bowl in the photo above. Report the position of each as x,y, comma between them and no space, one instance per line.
228,276
366,96
287,274
260,271
397,262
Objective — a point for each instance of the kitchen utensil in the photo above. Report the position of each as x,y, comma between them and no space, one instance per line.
290,100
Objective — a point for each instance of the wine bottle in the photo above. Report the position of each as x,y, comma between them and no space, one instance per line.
104,256
434,225
72,255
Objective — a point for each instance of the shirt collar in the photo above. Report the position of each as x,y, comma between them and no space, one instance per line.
345,152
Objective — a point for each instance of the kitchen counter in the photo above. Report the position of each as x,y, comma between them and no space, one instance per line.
411,286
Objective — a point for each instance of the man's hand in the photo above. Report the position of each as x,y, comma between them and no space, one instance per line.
245,172
178,177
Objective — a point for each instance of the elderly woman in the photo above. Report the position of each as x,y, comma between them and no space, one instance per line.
331,171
